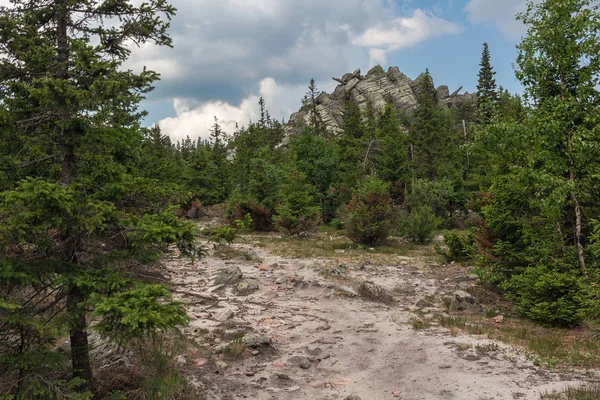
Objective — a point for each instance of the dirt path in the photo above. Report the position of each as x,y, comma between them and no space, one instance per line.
329,343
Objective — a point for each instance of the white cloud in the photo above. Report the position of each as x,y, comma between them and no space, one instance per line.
195,121
404,32
377,56
499,12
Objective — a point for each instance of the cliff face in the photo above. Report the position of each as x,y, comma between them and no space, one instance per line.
377,87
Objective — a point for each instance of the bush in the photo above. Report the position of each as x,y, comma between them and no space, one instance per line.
369,215
461,245
419,225
262,216
228,233
547,296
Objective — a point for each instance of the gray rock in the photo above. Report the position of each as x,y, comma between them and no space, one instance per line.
461,301
351,85
256,341
375,88
305,363
464,285
229,276
246,287
281,280
353,397
193,213
181,359
221,365
424,303
443,92
224,315
339,251
472,273
456,92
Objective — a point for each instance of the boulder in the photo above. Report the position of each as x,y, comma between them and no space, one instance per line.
424,303
246,287
256,341
443,92
461,301
229,276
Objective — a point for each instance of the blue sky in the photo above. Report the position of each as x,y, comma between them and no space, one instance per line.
227,53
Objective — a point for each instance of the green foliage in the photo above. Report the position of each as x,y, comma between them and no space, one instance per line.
297,212
419,225
547,296
544,168
435,146
229,233
154,232
317,159
440,195
137,313
369,215
461,245
487,94
81,214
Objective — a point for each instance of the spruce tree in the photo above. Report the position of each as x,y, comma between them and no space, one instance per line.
310,101
433,147
352,143
487,94
71,234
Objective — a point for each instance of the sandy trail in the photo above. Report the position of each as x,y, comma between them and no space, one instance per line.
328,343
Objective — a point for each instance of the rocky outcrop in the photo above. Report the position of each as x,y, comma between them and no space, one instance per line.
376,87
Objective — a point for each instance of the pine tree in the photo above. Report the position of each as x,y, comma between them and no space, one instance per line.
69,235
487,94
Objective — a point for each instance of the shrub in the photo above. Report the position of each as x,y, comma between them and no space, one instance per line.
547,296
419,225
229,233
262,216
461,245
369,215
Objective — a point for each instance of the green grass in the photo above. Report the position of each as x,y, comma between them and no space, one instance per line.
589,391
235,349
547,347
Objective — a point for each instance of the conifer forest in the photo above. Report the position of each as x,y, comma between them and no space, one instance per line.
248,263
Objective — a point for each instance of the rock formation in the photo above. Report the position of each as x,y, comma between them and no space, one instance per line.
377,87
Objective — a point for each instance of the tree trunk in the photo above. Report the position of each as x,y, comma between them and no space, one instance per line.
578,223
80,351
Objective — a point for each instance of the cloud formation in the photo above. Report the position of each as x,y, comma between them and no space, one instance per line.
225,52
403,32
498,12
194,120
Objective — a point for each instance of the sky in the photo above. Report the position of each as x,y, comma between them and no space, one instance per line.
228,53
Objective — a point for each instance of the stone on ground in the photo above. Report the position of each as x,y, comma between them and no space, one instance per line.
229,276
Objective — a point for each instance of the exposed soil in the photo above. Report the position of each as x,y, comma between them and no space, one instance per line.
327,342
